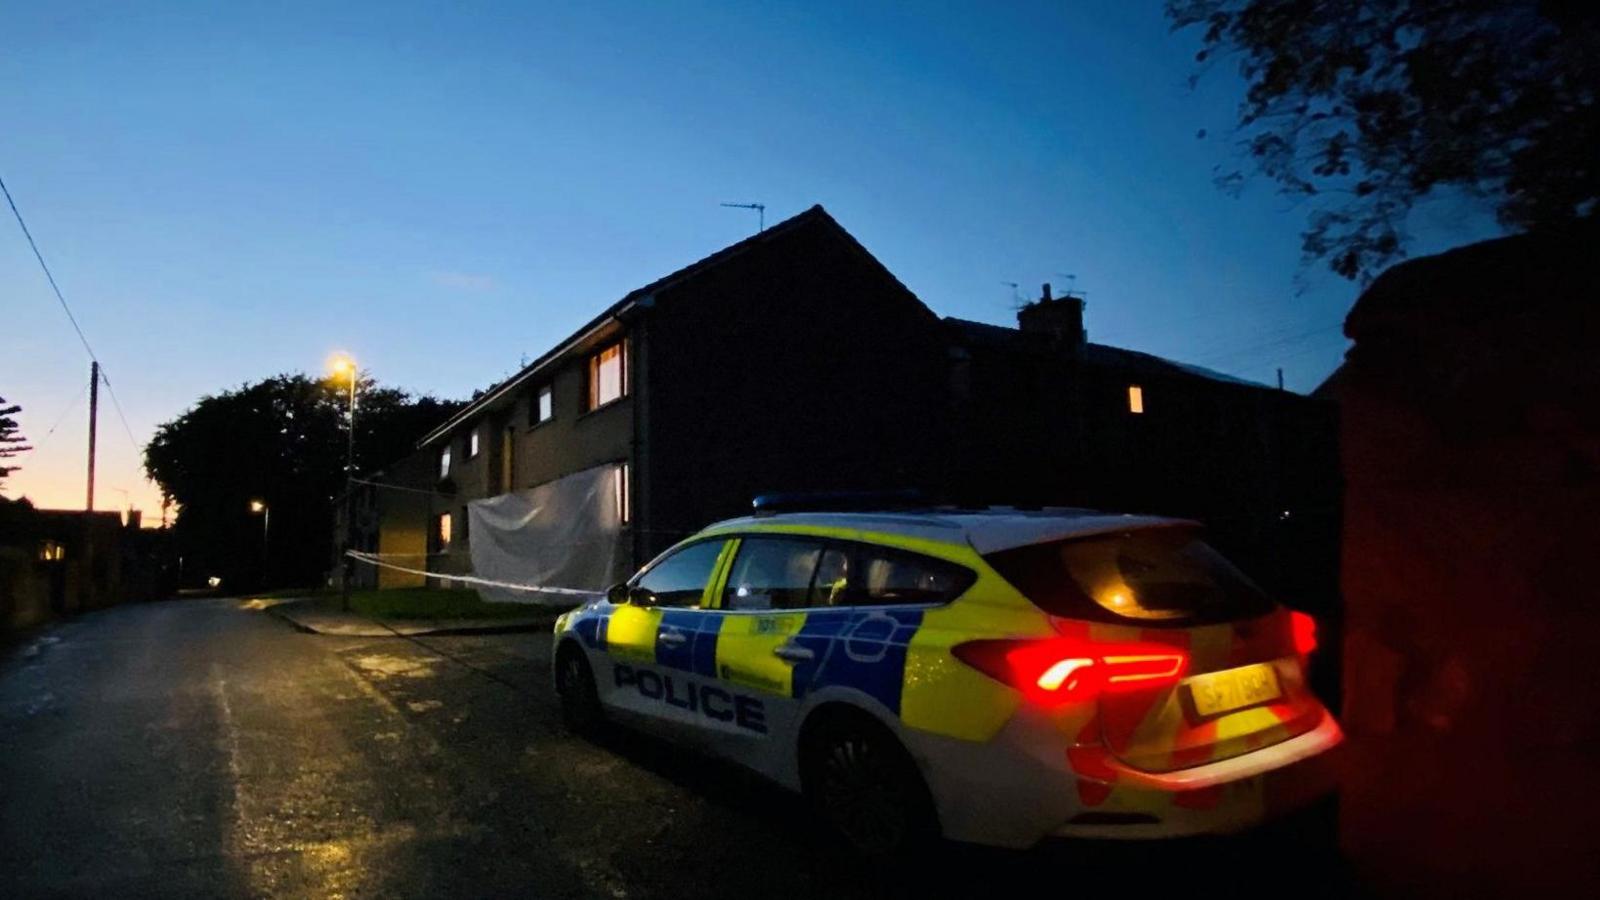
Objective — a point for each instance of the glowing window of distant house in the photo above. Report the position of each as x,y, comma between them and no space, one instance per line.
620,489
444,530
472,443
608,375
444,463
544,407
52,551
1135,399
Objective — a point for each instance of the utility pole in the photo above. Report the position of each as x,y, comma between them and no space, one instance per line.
94,409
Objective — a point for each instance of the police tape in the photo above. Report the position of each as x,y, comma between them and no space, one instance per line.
376,559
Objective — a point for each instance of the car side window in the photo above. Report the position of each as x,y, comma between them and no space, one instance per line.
885,576
831,587
771,573
680,579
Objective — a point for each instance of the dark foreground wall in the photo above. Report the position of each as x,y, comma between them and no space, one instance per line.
1471,452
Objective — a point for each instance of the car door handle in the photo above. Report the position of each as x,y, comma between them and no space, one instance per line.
793,653
671,637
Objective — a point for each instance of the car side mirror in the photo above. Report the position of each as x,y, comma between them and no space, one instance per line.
639,596
617,594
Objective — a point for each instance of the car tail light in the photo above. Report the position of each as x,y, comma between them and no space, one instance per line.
1053,671
1304,629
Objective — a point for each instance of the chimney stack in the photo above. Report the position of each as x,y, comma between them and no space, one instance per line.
1059,318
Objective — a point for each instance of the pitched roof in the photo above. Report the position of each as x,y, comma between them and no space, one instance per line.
1131,361
499,390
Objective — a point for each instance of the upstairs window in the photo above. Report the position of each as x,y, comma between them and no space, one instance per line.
542,407
1135,399
442,530
472,443
444,463
608,375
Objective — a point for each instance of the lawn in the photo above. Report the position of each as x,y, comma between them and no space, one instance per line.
424,603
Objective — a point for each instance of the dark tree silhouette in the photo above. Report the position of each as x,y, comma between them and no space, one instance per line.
281,440
1370,107
12,443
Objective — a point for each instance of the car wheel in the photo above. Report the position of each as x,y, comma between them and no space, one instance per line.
867,787
580,702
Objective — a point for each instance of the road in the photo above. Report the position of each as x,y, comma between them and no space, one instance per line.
205,748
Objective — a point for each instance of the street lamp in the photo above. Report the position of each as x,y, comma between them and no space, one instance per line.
342,365
260,506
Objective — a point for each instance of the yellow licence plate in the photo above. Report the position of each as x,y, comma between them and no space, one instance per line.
1219,692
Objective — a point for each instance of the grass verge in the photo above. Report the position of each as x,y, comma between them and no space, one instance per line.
432,605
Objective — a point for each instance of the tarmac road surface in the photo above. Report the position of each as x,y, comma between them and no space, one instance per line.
205,748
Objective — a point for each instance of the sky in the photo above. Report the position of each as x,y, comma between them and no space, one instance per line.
446,190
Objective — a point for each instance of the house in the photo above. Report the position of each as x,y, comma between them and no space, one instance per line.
795,361
1042,415
57,562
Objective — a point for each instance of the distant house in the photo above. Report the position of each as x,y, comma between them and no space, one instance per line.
56,562
794,360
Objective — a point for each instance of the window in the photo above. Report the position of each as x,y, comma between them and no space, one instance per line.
680,579
793,573
619,488
444,463
772,573
886,576
1162,574
608,375
1135,399
472,443
441,530
541,407
52,551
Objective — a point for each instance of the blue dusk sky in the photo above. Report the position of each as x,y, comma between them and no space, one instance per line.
445,189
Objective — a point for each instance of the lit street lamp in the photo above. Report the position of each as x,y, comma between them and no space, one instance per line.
342,365
345,365
260,506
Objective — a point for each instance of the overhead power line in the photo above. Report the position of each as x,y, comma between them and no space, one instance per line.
49,277
62,418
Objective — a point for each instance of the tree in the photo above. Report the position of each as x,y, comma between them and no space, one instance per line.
1371,107
12,443
281,440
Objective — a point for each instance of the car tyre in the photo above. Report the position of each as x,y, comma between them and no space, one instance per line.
864,784
580,701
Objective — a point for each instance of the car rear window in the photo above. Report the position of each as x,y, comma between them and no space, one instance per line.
1158,576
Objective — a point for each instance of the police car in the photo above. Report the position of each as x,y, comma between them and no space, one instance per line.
996,676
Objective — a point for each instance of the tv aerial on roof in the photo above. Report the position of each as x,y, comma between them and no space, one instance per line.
1072,286
760,208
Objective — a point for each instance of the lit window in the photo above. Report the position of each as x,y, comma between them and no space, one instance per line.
543,406
52,551
1135,399
444,463
444,530
472,443
620,489
608,375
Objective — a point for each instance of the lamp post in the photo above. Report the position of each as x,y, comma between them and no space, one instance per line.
260,506
345,365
